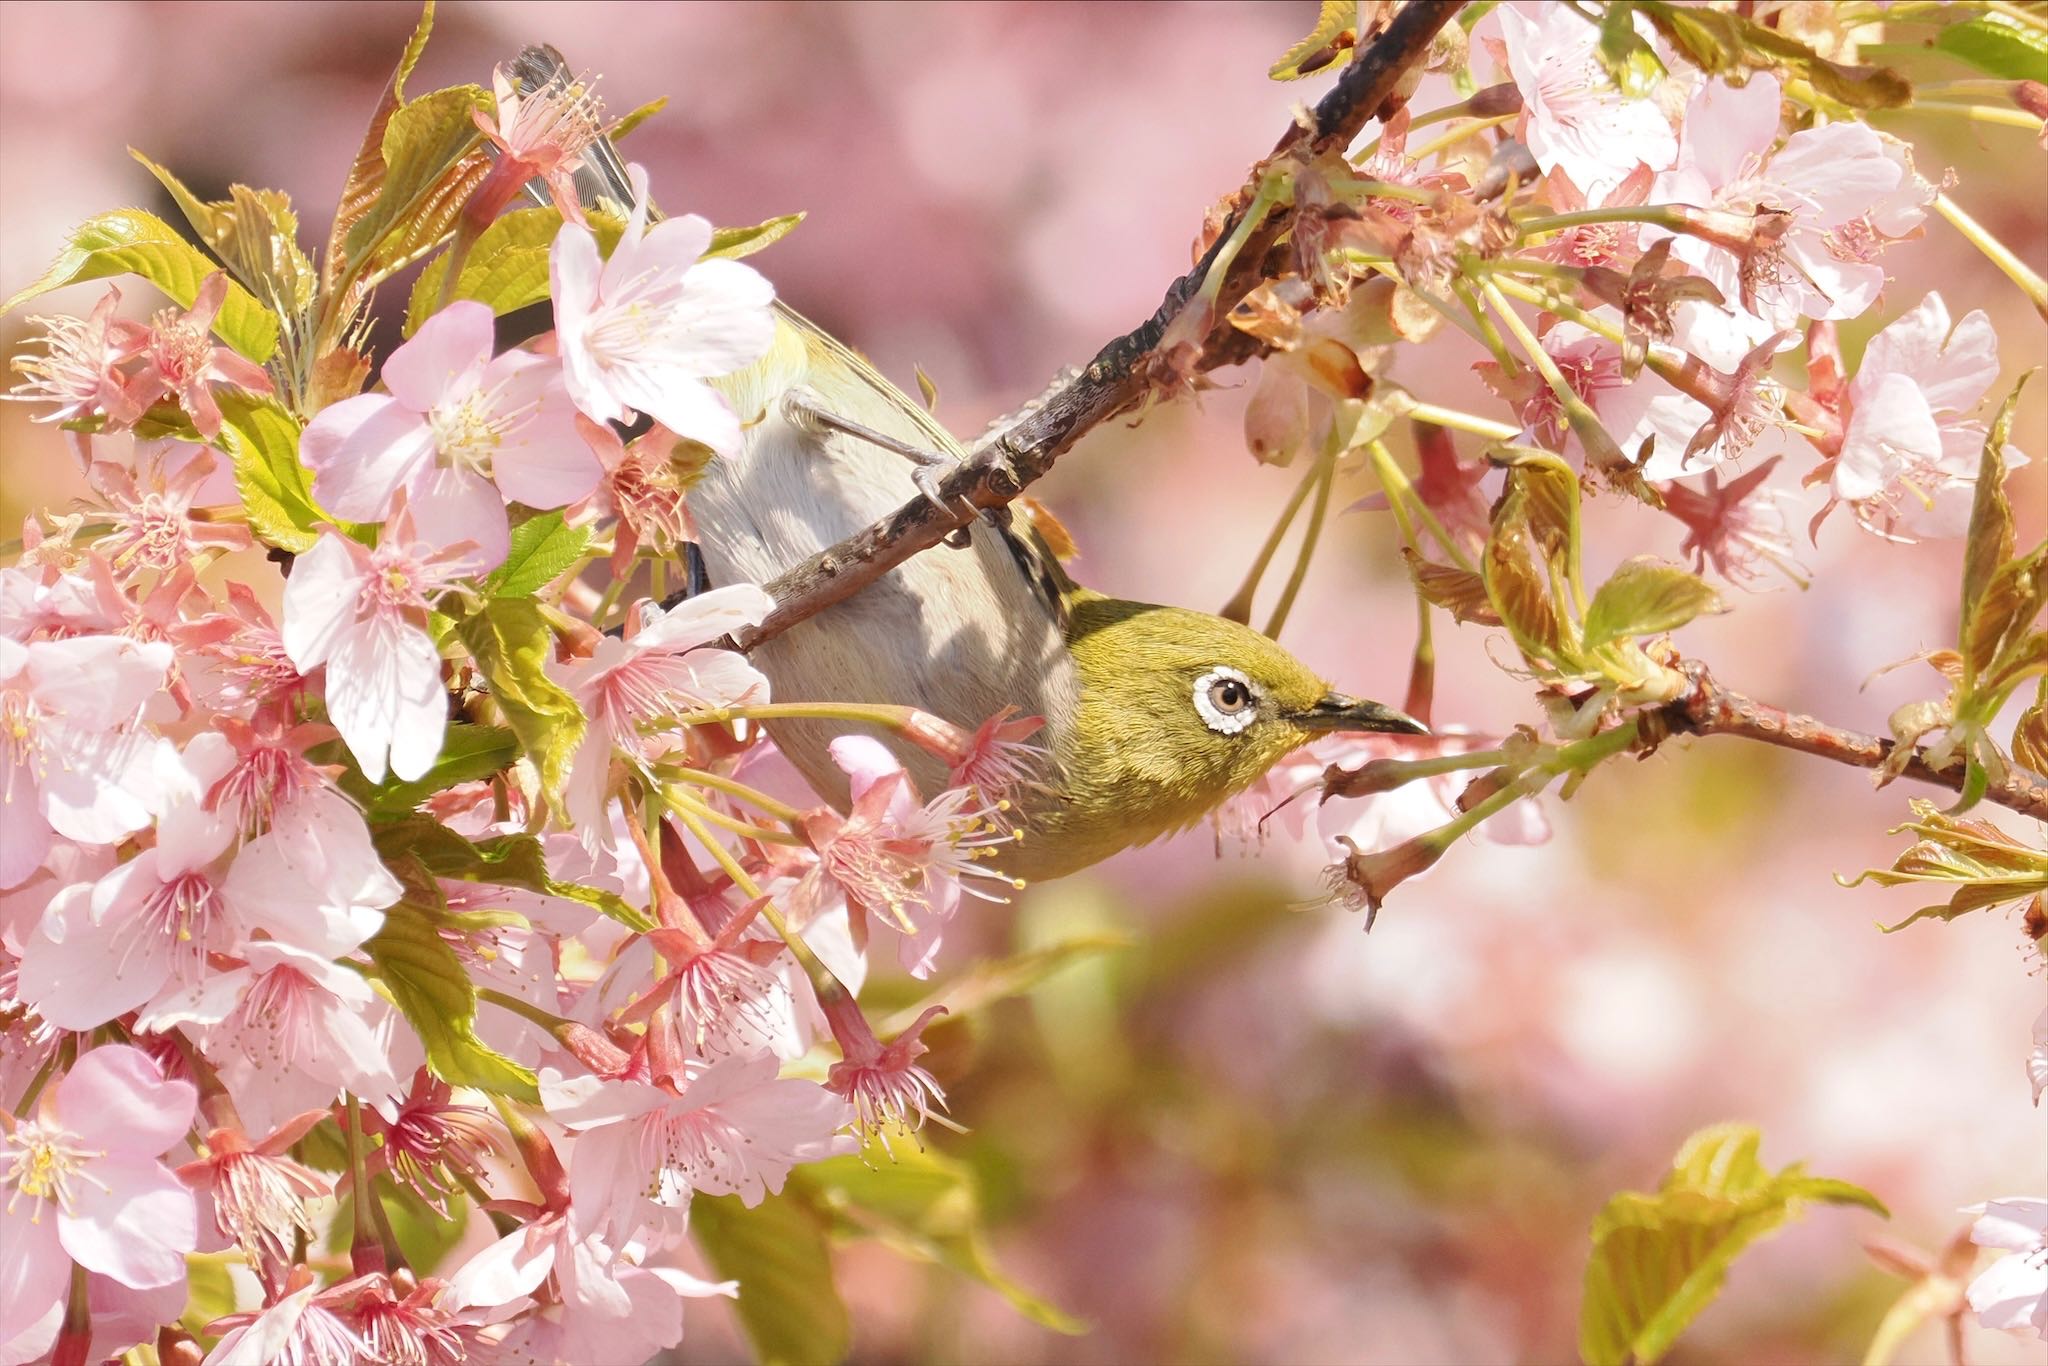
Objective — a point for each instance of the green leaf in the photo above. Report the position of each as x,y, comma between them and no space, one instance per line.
507,267
542,547
1631,62
922,1205
255,232
789,1304
627,122
277,491
209,1291
1998,44
1520,591
468,752
365,183
511,643
734,243
1645,597
1991,536
427,983
1722,43
130,241
1330,41
503,860
424,144
1658,1260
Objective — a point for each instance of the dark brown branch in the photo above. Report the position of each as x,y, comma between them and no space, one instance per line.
1120,376
1710,709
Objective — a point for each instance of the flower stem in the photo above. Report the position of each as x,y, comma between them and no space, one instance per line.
1456,135
881,714
1999,254
1396,482
1239,608
366,1249
732,787
676,801
1459,421
1326,476
823,982
1664,215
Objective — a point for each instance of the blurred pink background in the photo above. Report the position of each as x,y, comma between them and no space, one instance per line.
1258,1135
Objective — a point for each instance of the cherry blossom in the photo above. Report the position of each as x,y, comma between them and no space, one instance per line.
643,330
79,369
73,762
456,419
2012,1293
363,613
1738,527
541,135
1910,451
1577,120
662,669
181,361
1770,215
729,1127
82,1182
887,1089
888,858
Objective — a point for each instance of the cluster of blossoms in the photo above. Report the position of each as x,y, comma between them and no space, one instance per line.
397,881
257,899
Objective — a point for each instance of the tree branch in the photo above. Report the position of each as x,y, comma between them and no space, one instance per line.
1709,709
1120,376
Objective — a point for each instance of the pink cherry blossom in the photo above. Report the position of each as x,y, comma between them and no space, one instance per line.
181,361
1910,449
1577,120
73,761
363,613
82,1182
659,670
889,858
296,1329
541,135
642,488
729,1127
1381,820
1782,209
455,420
888,1091
642,331
258,1194
79,369
1737,527
150,510
2012,1293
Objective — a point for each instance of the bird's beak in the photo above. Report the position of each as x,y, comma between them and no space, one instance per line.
1336,712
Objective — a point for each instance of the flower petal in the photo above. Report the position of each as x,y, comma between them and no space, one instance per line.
135,1221
445,357
118,1098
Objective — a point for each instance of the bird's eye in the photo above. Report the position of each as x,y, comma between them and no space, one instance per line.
1226,701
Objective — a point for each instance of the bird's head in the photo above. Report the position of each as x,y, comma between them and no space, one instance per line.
1180,710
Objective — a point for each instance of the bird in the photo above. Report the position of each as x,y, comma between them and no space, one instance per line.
1153,715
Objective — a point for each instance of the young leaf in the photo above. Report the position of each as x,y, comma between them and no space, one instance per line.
1333,36
542,547
1630,62
511,643
507,267
1982,864
254,233
366,175
923,1205
1998,44
1644,597
1520,591
425,142
430,988
468,752
1458,591
632,119
734,243
277,491
504,861
1658,1260
129,241
789,1304
1720,43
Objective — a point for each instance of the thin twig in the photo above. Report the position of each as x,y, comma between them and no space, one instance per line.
1710,709
1122,374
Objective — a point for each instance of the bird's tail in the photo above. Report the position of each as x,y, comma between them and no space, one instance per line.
602,176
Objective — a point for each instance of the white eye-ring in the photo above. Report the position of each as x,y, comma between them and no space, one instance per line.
1226,700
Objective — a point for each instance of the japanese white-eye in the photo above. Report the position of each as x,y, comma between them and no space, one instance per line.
1153,715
